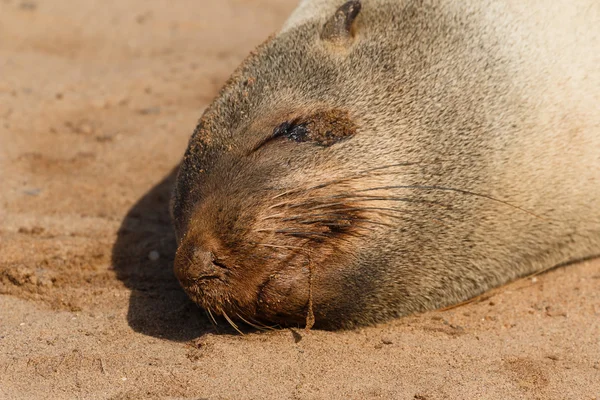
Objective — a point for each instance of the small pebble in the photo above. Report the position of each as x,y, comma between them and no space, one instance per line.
28,5
153,255
86,128
32,192
533,280
555,312
149,111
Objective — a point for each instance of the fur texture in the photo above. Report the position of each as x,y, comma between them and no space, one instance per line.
470,157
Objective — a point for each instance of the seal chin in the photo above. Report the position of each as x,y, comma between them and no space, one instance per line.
278,297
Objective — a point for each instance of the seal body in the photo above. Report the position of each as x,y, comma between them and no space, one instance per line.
379,159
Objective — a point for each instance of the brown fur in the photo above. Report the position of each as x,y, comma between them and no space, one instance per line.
441,149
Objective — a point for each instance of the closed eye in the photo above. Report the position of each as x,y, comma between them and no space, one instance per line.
286,130
323,128
292,131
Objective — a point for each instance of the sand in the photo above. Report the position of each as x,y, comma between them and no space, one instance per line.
97,101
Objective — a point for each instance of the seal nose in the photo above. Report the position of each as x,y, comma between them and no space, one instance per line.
194,265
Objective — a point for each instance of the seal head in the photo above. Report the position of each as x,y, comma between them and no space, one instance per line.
369,162
263,212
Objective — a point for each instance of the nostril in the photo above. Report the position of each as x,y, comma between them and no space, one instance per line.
219,263
194,265
207,258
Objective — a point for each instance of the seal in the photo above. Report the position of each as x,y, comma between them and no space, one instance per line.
375,160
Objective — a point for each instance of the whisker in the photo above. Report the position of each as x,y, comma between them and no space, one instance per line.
271,328
462,191
297,231
355,209
265,230
360,174
272,216
355,226
211,316
275,246
357,200
379,210
250,323
280,204
311,236
234,326
331,221
375,209
328,215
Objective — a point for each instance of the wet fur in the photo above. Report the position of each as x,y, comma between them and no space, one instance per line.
474,160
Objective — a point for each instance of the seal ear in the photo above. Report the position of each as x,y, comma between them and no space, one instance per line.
339,27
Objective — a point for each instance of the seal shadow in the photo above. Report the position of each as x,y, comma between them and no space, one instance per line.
142,257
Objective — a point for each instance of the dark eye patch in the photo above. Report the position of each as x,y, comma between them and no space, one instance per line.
292,131
323,128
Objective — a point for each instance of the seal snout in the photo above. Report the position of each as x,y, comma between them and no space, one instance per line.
194,265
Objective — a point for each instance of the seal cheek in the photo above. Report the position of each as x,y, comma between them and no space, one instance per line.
283,298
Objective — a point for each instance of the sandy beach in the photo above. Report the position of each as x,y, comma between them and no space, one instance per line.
97,102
